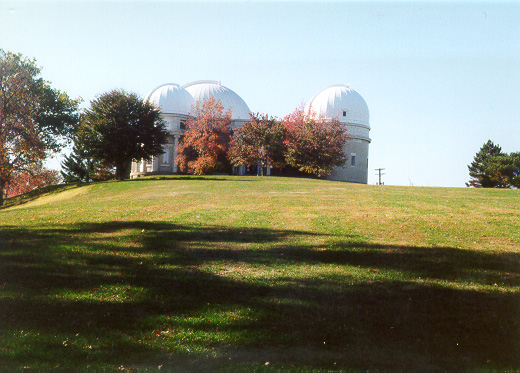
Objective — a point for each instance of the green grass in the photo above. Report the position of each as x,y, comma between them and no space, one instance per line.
260,274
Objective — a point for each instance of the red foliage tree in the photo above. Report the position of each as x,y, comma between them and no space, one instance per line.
203,149
314,145
35,120
27,180
259,141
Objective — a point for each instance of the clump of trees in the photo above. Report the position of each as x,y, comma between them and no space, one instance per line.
117,128
307,143
492,168
36,120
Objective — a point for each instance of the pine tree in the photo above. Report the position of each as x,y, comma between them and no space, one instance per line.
77,166
480,169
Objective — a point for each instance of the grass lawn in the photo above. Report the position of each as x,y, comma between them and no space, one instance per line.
260,274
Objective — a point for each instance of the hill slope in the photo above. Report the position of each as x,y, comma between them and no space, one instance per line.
261,273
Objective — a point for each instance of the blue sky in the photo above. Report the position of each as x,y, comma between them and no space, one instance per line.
439,78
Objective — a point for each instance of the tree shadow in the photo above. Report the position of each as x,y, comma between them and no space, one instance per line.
125,289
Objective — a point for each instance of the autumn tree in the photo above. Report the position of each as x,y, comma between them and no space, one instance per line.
314,145
119,127
35,119
26,180
203,149
260,141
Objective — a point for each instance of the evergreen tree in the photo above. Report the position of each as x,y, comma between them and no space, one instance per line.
78,166
504,170
479,170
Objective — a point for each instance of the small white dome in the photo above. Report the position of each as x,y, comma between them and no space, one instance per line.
204,89
340,102
171,98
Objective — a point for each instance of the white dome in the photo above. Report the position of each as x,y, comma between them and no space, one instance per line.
204,89
340,102
171,98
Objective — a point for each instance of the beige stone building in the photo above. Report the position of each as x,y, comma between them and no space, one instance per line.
338,101
346,105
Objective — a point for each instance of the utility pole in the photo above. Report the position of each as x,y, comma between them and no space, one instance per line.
380,174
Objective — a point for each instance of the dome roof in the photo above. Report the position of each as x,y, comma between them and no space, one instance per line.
204,89
171,98
341,102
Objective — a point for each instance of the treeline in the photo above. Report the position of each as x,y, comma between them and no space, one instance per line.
304,142
38,121
492,168
119,128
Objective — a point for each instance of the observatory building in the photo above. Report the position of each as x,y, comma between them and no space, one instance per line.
343,103
335,102
176,104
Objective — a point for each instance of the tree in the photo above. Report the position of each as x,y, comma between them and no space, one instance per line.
203,149
259,141
119,127
504,170
35,120
479,170
26,180
79,166
314,145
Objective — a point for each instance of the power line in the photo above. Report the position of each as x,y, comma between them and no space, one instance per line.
380,174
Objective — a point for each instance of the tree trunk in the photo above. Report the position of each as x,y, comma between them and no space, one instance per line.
2,186
123,170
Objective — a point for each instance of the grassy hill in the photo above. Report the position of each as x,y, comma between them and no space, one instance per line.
247,273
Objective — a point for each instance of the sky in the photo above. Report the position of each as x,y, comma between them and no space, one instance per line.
439,78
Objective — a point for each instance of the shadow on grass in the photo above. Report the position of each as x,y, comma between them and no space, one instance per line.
141,293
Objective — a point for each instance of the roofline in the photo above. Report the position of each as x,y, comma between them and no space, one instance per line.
330,86
159,86
202,82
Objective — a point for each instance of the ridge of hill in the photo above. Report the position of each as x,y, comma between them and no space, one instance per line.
249,273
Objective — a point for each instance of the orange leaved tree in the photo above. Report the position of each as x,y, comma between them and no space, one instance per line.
313,144
203,149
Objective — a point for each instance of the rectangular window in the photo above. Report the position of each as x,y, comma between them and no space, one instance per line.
344,113
165,159
183,125
353,160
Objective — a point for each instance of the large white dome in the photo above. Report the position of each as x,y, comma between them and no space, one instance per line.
204,89
171,98
340,102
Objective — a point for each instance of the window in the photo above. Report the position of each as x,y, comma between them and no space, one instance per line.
353,160
344,113
165,159
183,125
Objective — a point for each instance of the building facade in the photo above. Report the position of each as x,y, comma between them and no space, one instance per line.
343,103
176,103
338,101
